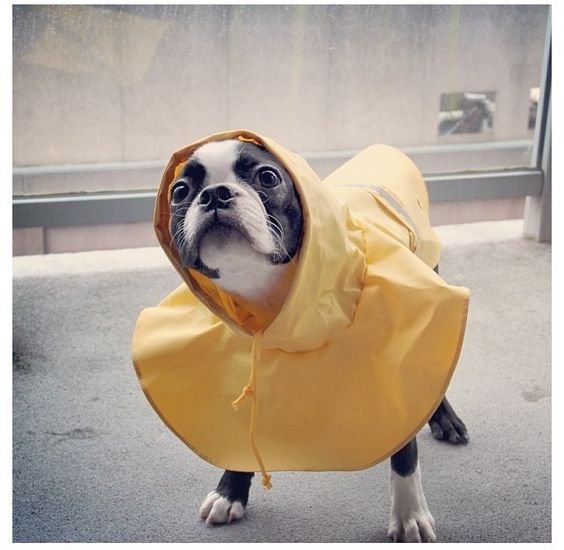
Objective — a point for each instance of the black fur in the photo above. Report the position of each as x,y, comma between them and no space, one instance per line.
447,426
283,200
235,486
404,461
196,172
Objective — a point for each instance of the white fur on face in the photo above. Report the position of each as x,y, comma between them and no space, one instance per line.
242,270
410,518
249,208
218,158
240,257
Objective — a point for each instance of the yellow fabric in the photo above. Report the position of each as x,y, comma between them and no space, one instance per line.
250,390
354,362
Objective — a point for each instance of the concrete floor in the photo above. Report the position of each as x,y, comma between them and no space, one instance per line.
93,463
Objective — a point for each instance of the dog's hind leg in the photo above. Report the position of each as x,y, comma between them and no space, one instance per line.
410,518
228,502
446,425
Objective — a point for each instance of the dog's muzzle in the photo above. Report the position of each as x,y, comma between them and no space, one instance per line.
224,206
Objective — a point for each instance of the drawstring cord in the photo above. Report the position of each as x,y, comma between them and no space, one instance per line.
250,391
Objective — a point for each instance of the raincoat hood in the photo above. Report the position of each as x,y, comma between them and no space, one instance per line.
330,257
355,360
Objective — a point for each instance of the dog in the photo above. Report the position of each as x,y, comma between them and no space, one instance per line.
236,217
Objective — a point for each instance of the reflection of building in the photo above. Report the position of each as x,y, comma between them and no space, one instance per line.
472,113
139,81
534,103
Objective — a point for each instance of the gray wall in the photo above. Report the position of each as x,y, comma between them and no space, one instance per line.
130,84
127,83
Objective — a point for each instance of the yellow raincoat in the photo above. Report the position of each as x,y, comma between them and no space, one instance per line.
354,363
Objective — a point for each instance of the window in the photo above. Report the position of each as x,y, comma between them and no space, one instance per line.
104,94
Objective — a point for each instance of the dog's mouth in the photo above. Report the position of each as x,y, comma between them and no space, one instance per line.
218,240
219,233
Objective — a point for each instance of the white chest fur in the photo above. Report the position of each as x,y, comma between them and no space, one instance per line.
242,270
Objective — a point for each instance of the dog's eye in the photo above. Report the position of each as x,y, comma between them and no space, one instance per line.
268,178
179,192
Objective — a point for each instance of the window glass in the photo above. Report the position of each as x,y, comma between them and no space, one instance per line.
104,94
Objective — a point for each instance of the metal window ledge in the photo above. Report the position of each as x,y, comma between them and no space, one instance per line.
132,207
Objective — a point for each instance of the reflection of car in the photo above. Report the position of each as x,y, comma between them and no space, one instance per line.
474,115
534,95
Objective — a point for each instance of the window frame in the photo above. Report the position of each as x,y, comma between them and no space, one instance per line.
534,183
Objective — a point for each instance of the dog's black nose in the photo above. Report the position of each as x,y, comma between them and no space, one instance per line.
217,196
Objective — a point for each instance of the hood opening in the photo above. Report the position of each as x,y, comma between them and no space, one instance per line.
321,285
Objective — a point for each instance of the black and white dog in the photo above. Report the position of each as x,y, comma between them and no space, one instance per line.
236,217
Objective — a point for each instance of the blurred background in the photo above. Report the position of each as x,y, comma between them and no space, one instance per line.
104,94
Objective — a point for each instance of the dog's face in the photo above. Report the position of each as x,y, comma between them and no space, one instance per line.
235,213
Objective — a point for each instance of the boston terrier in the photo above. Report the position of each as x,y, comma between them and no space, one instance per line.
236,218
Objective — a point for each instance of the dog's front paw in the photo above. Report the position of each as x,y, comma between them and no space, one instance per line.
217,509
417,527
410,519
